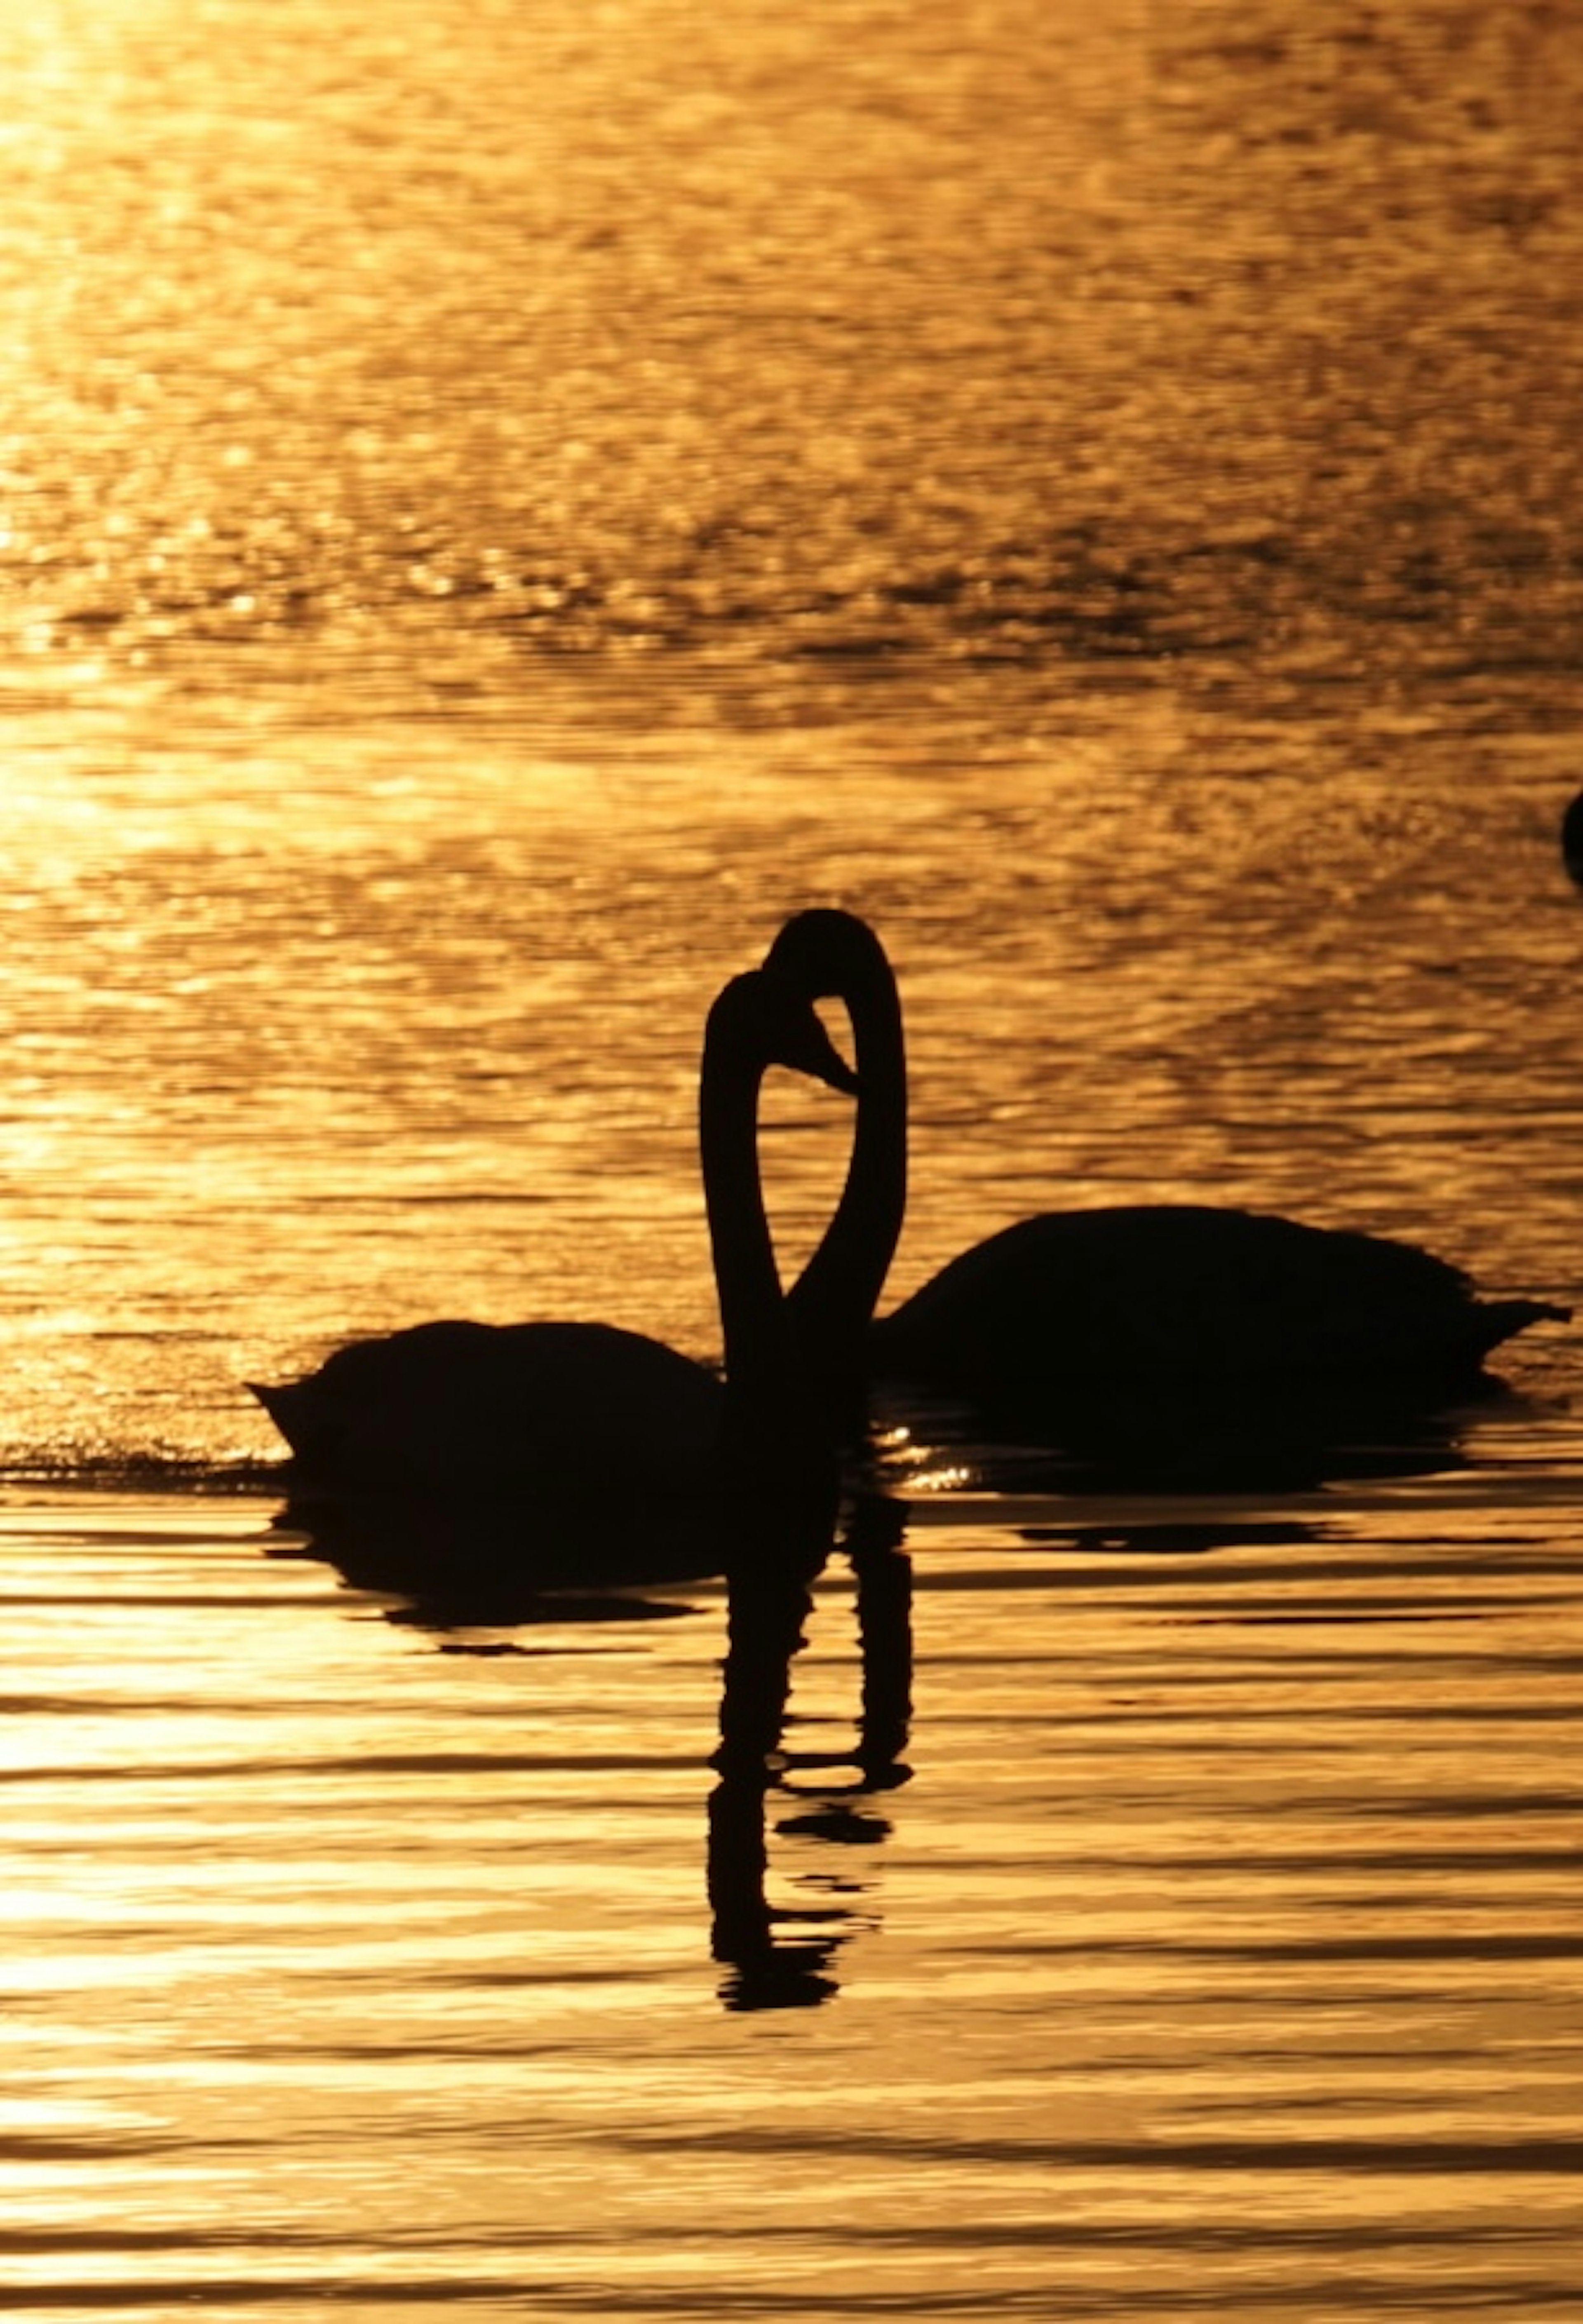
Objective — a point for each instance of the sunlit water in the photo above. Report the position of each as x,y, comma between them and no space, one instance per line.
500,506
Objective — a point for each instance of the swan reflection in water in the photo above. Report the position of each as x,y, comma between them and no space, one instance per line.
1218,1438
768,1605
476,1560
459,1568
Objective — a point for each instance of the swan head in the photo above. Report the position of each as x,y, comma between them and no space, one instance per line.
772,1015
824,951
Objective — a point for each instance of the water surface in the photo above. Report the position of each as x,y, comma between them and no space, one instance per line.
499,509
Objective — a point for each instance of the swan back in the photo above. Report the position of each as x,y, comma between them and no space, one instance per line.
1186,1292
518,1406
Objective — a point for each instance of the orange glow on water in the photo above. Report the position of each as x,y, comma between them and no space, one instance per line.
499,507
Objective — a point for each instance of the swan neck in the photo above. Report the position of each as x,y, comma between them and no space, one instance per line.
834,1298
746,1281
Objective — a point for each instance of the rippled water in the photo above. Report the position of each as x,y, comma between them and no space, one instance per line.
1222,1950
499,507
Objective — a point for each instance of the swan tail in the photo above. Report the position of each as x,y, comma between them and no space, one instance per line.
1502,1319
285,1404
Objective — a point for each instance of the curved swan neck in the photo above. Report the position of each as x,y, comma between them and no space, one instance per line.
836,957
746,1281
780,1421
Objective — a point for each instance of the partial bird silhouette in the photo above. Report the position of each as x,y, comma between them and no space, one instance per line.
454,1407
1572,838
1141,1297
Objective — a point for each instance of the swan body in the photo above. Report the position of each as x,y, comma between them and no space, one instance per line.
551,1405
514,1405
1189,1294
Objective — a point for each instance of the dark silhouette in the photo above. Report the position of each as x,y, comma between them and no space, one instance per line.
1572,839
1074,1312
456,1407
474,1561
1175,1536
1222,1437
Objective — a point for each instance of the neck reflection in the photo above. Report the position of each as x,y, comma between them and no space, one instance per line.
783,1957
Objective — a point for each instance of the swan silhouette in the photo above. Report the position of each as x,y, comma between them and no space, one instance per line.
1194,1296
455,1407
1572,838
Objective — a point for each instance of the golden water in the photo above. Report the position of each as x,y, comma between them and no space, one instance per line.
500,506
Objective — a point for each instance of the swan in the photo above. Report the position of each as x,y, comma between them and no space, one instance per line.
1194,1295
451,1405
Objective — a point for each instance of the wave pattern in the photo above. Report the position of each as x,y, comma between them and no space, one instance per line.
1210,1946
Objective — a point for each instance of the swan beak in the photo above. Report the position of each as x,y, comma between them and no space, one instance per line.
835,1072
787,1029
807,1049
